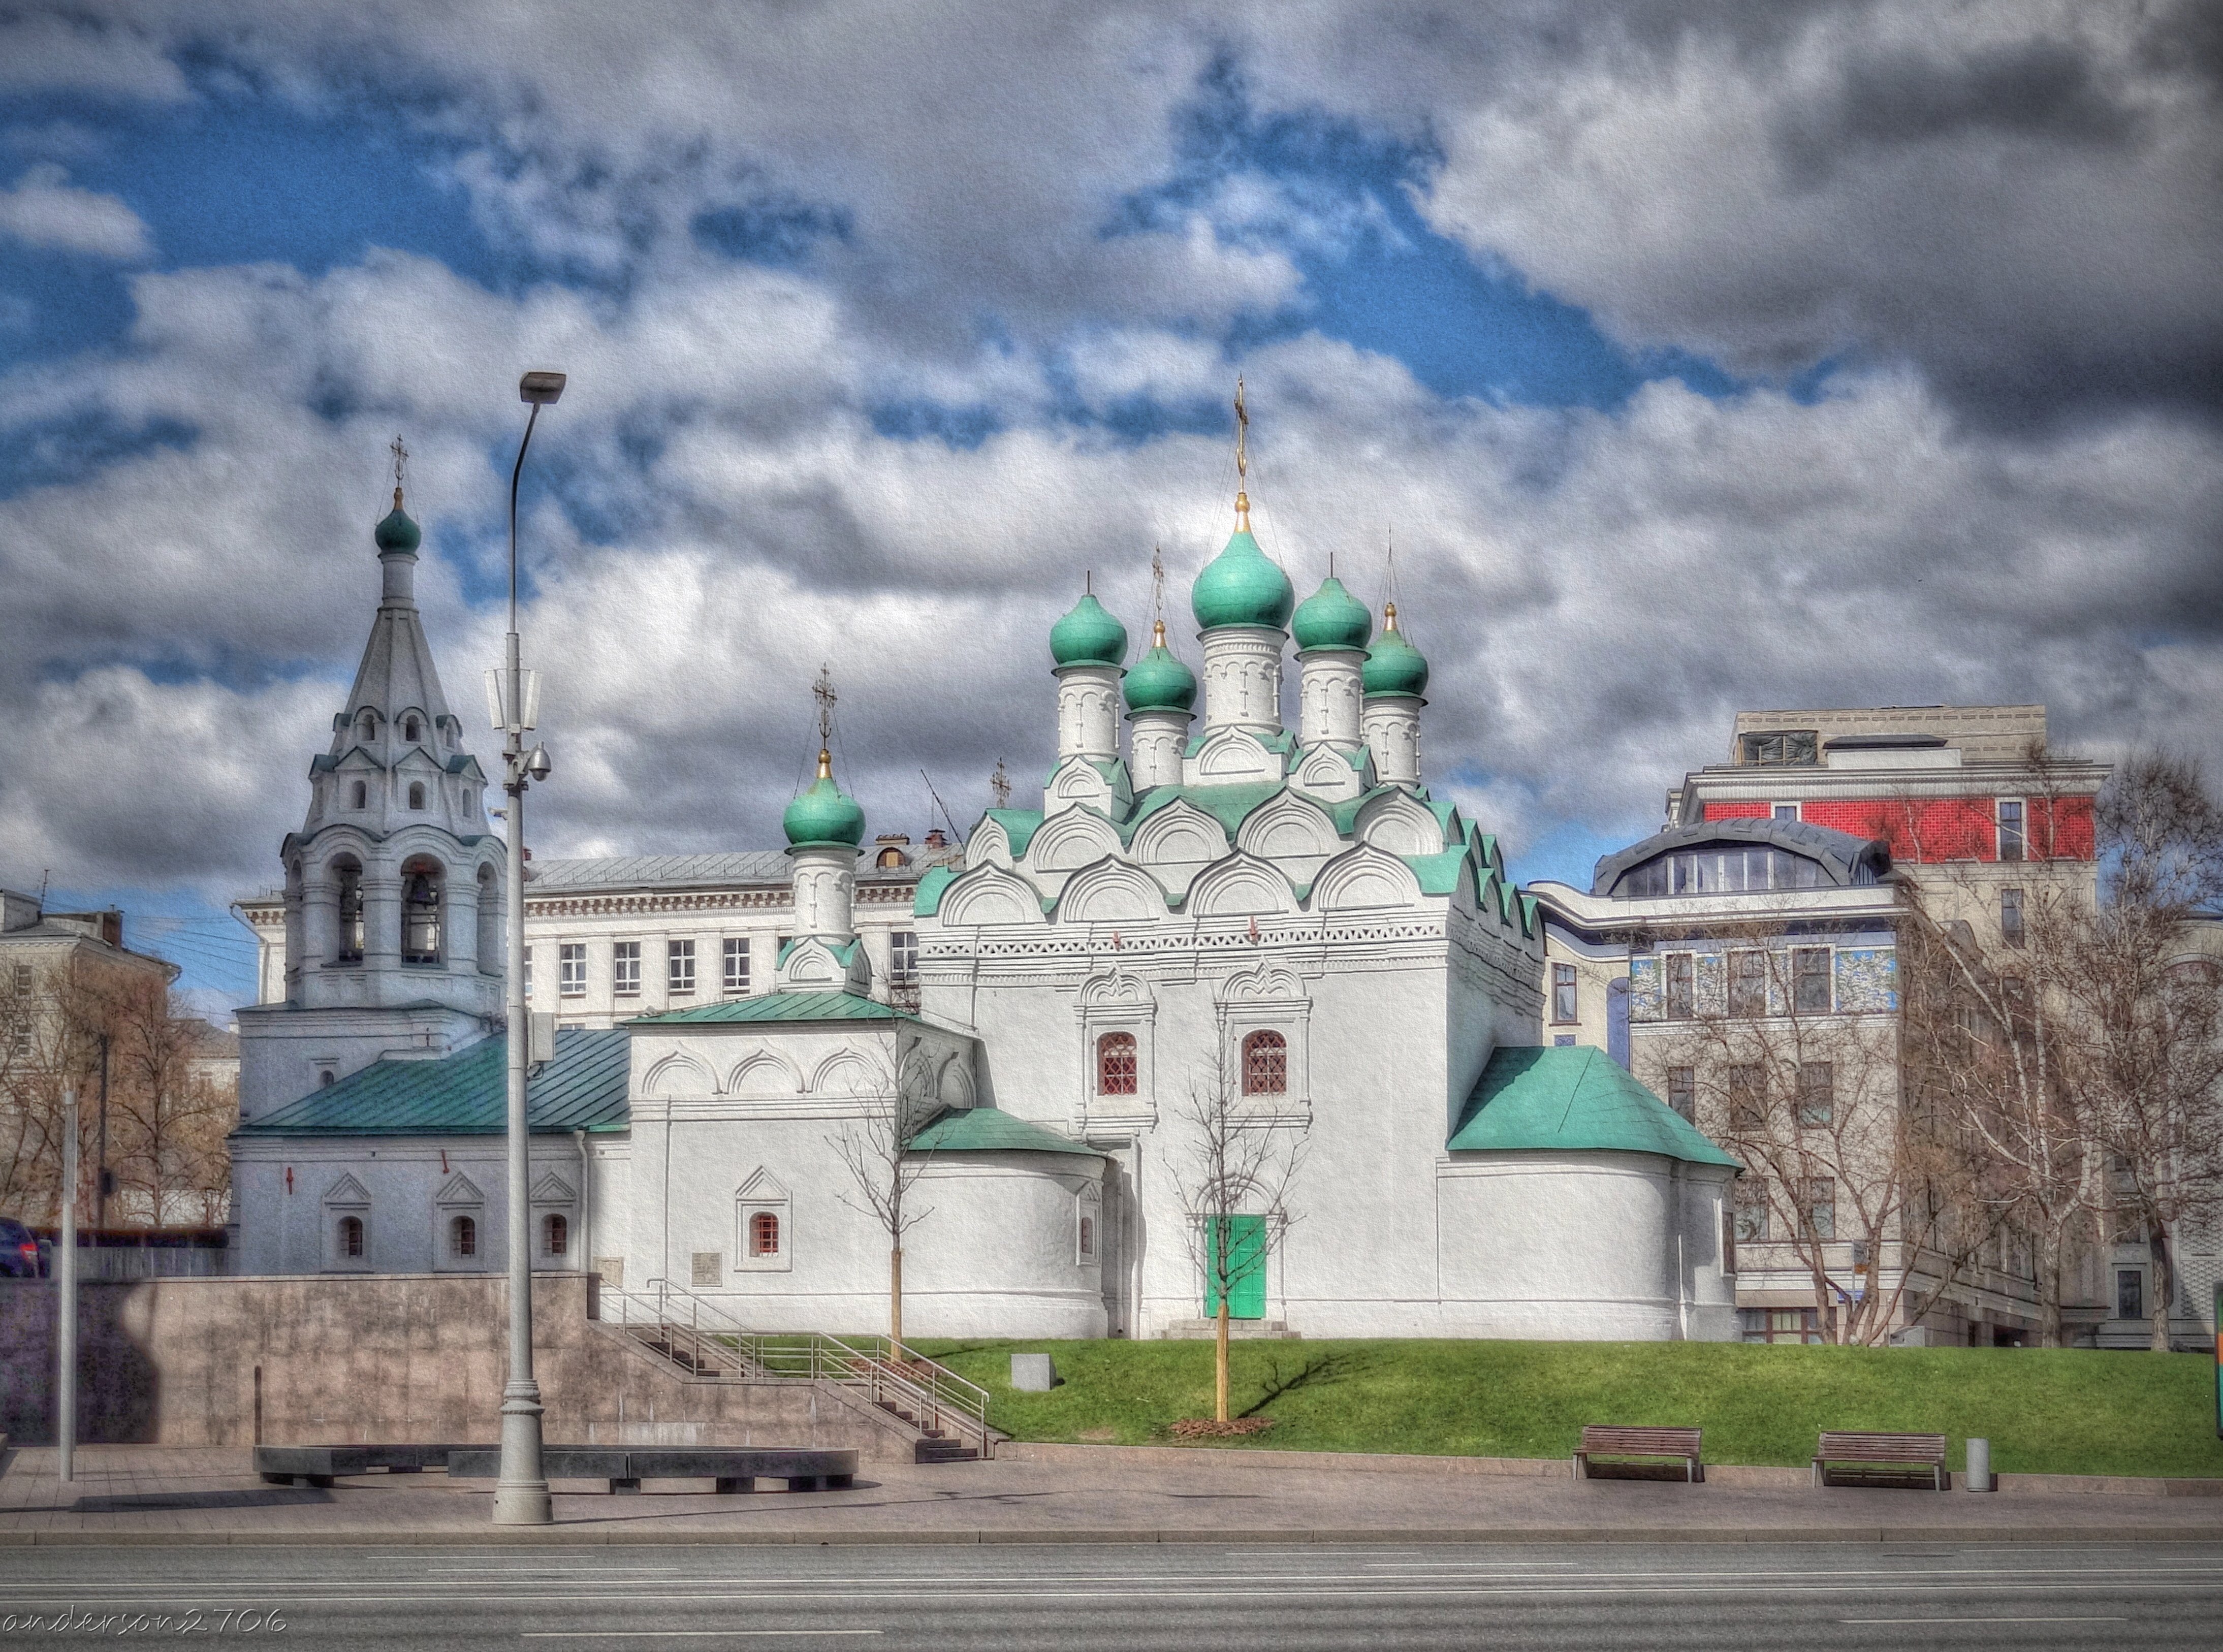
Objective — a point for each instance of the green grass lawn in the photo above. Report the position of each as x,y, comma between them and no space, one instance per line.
2071,1412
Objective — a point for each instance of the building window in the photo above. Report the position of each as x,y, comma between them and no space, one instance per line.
555,1235
571,969
326,1079
1115,1064
1817,1207
24,980
903,956
350,1238
1682,991
359,796
679,968
1087,1238
763,1234
1780,1325
624,968
1563,991
416,794
348,949
1725,868
462,1239
1751,1214
528,972
890,859
1786,811
1748,985
1817,1100
420,911
1747,1089
2011,929
1683,1093
412,730
1809,979
1265,1064
2011,829
737,964
2130,1293
1780,746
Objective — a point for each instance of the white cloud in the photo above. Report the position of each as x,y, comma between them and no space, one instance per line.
43,210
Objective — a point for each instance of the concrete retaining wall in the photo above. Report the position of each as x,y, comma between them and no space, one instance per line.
330,1358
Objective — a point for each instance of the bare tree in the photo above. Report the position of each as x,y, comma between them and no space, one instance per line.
1232,1173
883,1166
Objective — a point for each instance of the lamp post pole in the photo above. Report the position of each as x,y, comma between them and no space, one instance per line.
520,1494
66,1291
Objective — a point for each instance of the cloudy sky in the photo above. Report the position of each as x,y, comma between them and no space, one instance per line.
1696,356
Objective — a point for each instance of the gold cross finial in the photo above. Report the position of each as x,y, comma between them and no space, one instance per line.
1242,460
1158,590
823,691
401,463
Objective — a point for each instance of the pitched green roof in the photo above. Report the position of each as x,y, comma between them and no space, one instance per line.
1019,826
926,899
986,1130
467,1093
1573,1100
1227,804
780,1006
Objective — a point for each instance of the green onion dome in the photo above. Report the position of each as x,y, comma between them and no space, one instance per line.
1331,618
824,814
1088,636
1241,586
397,532
1158,682
1393,667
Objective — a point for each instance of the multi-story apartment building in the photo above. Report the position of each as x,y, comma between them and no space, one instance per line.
607,940
1743,963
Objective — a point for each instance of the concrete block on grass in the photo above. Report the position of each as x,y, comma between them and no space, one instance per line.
1033,1373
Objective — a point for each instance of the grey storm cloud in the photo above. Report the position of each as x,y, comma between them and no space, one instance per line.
1999,221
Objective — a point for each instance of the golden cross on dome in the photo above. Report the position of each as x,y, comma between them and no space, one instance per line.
401,463
823,691
1242,459
1158,590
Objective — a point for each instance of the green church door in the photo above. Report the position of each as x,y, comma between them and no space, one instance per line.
1245,1271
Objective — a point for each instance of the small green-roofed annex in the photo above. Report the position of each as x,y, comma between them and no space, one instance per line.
1570,1100
780,1006
466,1094
988,1130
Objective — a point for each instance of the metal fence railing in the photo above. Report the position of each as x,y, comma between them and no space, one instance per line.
704,1338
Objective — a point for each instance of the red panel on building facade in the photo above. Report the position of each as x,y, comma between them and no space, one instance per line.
1920,829
2061,829
1738,811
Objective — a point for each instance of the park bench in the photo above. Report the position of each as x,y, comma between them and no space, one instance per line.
321,1464
1882,1458
734,1468
1621,1444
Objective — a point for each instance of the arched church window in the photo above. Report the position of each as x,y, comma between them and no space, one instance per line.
1115,1064
326,1079
350,1238
763,1234
368,727
358,796
412,730
555,1235
1265,1064
416,794
462,1239
420,911
1088,1239
347,947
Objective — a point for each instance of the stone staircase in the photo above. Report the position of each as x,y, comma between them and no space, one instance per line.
945,1415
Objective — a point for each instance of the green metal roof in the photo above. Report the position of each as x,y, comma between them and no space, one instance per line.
467,1093
1019,826
1573,1100
780,1006
986,1130
1227,804
926,899
1088,635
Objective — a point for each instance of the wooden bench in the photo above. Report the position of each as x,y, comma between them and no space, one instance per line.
321,1464
1897,1454
733,1468
1653,1443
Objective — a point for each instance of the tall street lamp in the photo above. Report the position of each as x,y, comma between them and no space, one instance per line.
520,1495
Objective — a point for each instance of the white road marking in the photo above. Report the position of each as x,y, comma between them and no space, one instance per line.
1983,1620
669,1634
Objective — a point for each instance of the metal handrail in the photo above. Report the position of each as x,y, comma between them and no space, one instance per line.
887,1370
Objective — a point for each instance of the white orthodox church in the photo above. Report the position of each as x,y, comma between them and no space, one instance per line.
1216,902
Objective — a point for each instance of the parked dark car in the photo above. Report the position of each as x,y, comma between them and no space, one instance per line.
23,1255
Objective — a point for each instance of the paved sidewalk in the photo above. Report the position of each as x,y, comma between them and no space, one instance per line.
189,1495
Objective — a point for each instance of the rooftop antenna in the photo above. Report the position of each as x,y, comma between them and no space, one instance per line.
1242,460
401,463
947,818
1000,783
823,691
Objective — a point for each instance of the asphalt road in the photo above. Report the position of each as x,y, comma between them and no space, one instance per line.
1126,1598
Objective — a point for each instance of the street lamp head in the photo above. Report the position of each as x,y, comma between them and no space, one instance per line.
541,388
